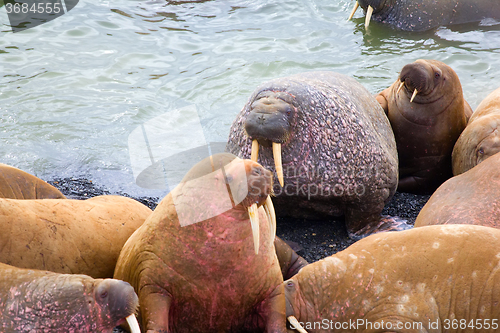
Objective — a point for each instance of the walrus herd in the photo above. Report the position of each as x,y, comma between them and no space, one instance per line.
309,145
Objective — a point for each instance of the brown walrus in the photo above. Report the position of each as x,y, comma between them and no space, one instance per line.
68,236
42,301
17,184
481,137
427,112
469,198
430,279
331,146
204,261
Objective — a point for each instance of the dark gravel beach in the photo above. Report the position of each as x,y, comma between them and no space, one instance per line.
312,239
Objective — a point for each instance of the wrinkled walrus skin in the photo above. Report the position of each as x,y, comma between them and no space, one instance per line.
338,151
42,301
68,236
481,137
17,184
472,197
436,276
205,276
426,128
412,15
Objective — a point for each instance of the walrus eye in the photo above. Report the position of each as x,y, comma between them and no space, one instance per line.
104,294
257,171
290,284
437,75
481,151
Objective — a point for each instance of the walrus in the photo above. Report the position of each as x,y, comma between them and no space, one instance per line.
18,184
43,301
425,15
68,236
469,198
330,143
429,279
204,261
481,138
427,112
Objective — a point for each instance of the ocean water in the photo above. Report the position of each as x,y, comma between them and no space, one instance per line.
114,91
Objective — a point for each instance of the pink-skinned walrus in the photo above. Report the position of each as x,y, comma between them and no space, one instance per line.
481,138
442,278
46,302
205,260
18,184
66,235
472,197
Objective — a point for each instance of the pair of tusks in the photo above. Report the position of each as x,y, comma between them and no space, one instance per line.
296,324
254,221
415,92
133,324
368,17
254,155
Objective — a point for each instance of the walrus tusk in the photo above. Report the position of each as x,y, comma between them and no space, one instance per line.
400,86
368,17
254,221
356,5
134,325
254,154
271,215
296,324
413,96
277,162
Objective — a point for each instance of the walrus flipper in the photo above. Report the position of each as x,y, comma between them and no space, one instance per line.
272,312
156,304
372,224
290,261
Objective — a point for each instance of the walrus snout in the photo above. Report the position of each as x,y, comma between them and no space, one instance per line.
117,300
260,183
269,121
419,78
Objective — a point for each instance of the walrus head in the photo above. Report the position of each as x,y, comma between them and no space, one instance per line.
269,124
479,141
116,302
370,6
223,182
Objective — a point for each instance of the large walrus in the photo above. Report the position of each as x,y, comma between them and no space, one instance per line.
411,15
204,261
431,279
68,236
331,146
42,301
481,137
18,184
472,197
427,112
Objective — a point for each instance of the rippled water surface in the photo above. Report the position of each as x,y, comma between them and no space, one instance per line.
74,91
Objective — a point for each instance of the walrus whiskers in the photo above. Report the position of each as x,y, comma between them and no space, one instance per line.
368,17
277,162
415,92
254,154
296,324
134,325
254,221
356,5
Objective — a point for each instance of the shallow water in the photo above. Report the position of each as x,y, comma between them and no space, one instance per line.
86,95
